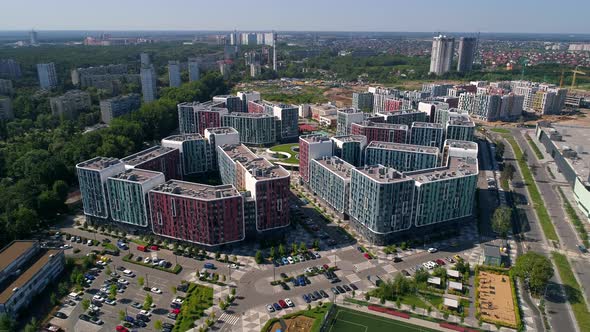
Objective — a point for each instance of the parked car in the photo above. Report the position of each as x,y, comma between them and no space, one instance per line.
61,315
276,306
121,328
306,298
289,302
334,290
172,316
290,260
340,289
136,305
270,308
283,304
432,250
96,321
324,294
209,265
156,290
283,275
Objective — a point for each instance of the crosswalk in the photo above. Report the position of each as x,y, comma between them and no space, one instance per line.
229,319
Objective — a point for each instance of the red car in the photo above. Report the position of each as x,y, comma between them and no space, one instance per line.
175,311
367,256
121,328
154,248
325,266
283,304
440,262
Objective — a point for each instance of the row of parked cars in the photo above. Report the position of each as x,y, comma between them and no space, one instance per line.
306,255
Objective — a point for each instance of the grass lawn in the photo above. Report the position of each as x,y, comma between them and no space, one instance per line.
415,300
434,299
287,148
198,299
347,320
500,130
573,291
534,146
538,203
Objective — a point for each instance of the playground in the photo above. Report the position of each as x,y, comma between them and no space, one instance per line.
495,298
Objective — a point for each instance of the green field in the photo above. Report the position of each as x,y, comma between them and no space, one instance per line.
347,320
287,148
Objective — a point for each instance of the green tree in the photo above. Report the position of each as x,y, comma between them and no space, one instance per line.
112,291
282,250
7,323
158,325
272,253
147,303
421,276
499,150
303,246
502,220
32,326
173,289
534,270
60,187
121,315
258,257
294,248
217,255
85,304
508,171
140,281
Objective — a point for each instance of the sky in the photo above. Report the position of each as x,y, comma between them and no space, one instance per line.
543,16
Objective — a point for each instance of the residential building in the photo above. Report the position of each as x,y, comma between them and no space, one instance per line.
10,69
312,147
127,193
431,108
6,87
232,103
460,127
383,132
255,70
253,128
329,178
47,75
92,177
320,110
225,68
427,134
461,149
441,58
197,213
350,148
571,100
220,136
174,74
267,184
484,107
288,126
193,69
26,270
345,118
407,116
467,48
110,78
304,111
436,89
362,101
70,104
6,112
195,152
157,158
511,107
402,157
118,106
247,96
568,146
526,89
549,101
144,59
148,83
195,117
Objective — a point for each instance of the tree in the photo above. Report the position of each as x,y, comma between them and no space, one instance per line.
140,281
112,291
502,220
121,315
534,270
147,303
85,304
508,171
173,289
108,271
32,326
499,150
233,291
235,259
217,255
421,276
281,250
226,258
258,257
294,248
302,246
158,325
7,323
272,253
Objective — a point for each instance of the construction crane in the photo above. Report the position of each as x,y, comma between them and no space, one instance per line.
561,79
576,71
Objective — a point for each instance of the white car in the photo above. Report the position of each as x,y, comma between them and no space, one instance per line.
101,263
308,270
147,260
93,308
128,273
98,298
233,266
270,308
432,250
123,281
178,300
104,290
289,302
89,242
317,255
290,259
156,290
146,312
110,302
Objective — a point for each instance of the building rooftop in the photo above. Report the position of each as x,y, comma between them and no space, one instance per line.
99,163
206,106
337,166
258,167
249,115
461,120
146,155
403,147
572,142
314,138
350,138
221,130
197,190
137,175
400,112
382,174
427,125
14,250
185,137
467,145
394,126
122,97
26,275
456,167
349,111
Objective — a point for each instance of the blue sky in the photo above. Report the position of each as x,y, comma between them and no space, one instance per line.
562,16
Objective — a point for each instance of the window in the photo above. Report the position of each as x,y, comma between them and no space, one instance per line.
173,206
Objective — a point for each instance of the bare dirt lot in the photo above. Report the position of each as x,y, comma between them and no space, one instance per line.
296,324
495,298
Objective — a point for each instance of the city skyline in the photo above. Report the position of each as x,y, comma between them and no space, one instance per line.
393,16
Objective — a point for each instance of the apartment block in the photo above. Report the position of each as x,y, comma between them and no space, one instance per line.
197,213
460,127
406,117
427,134
220,136
195,117
118,106
247,96
193,69
362,101
174,74
322,110
511,107
441,58
157,158
461,149
10,69
288,126
267,184
436,89
195,152
47,75
467,49
6,87
92,177
431,108
127,193
312,147
484,107
148,83
345,118
402,157
383,132
6,112
232,103
350,148
26,270
330,180
70,104
253,128
110,78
